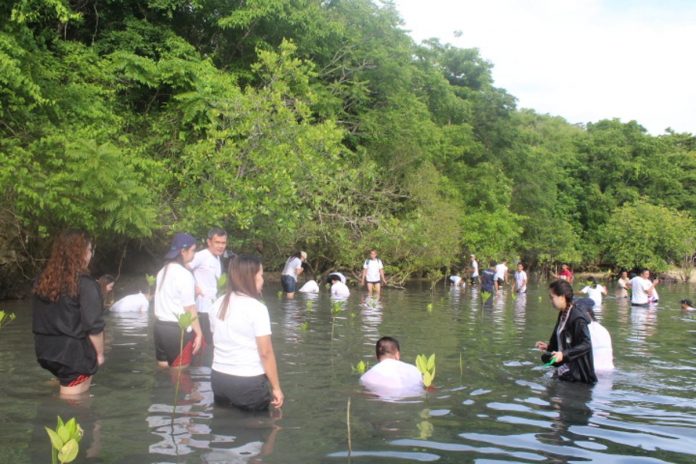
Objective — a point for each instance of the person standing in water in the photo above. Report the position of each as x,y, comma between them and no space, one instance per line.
207,269
245,372
623,284
570,344
594,291
520,285
474,270
67,319
291,271
373,273
175,295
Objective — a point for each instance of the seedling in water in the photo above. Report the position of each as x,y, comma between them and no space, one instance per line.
309,306
359,368
151,280
485,296
304,326
6,318
336,308
426,366
185,320
280,294
430,307
514,296
65,441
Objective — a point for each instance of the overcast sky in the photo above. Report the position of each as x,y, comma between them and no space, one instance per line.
584,60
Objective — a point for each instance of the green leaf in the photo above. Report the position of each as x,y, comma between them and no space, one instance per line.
56,441
69,451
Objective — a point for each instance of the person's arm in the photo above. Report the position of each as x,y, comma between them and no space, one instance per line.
97,341
196,326
362,276
91,314
299,270
264,345
381,274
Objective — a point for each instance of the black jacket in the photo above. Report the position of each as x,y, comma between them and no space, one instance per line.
576,344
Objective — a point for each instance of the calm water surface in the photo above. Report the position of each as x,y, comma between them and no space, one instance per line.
493,401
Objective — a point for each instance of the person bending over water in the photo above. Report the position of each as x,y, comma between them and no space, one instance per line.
67,315
391,377
245,373
570,345
175,295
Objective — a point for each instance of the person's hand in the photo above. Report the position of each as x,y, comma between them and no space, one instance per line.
558,355
197,341
542,346
100,359
278,398
198,291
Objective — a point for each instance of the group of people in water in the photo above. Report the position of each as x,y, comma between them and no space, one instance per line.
68,319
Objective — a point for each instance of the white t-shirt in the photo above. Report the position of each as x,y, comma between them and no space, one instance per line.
234,339
595,294
206,270
455,279
639,289
602,352
131,304
339,290
175,293
474,267
501,271
392,378
291,265
373,267
340,276
311,286
521,281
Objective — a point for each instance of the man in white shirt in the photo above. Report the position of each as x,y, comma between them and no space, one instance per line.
338,287
207,269
520,279
391,377
501,274
292,270
641,288
474,270
373,273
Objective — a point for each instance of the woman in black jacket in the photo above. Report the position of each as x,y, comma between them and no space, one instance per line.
570,345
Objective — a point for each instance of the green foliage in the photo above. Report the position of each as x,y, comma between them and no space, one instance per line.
645,235
6,318
426,366
65,440
360,367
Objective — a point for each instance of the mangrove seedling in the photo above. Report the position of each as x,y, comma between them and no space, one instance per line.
185,320
65,440
359,368
426,366
304,326
6,318
336,308
309,306
222,283
485,296
280,294
430,307
514,296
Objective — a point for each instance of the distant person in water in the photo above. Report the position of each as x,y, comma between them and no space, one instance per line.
106,286
520,285
373,273
456,281
641,289
488,282
501,274
687,305
391,377
174,296
291,272
134,303
623,284
474,270
245,371
570,344
67,322
594,291
207,269
338,287
565,274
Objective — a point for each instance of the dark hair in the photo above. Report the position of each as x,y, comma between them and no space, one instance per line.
241,279
564,289
592,281
64,266
686,302
385,346
179,259
104,282
492,263
216,231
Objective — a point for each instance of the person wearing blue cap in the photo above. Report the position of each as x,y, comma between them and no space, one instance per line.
174,295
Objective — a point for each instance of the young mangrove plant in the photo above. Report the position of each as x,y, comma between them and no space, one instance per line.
485,296
151,282
429,307
336,309
6,318
65,441
310,305
280,294
304,327
426,366
359,368
222,283
185,320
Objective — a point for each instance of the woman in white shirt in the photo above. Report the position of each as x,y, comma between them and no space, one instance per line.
245,373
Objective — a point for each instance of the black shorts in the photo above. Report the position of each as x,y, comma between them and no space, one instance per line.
168,343
66,375
289,283
375,282
500,281
246,393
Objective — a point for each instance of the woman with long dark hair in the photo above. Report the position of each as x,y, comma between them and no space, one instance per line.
570,345
245,374
67,315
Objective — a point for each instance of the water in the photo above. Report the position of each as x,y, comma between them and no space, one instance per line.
498,405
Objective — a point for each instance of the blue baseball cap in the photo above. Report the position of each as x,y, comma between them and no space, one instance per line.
180,241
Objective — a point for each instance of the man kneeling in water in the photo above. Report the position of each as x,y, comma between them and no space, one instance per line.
392,377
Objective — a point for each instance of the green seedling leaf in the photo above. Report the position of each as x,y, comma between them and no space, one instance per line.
430,307
68,452
63,433
222,283
360,367
280,294
309,306
151,280
304,326
485,296
71,427
425,430
431,362
56,442
514,296
185,320
427,379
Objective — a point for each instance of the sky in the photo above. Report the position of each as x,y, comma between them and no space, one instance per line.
584,60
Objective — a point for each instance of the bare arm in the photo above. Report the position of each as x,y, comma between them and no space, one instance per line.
264,345
381,274
196,325
98,344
